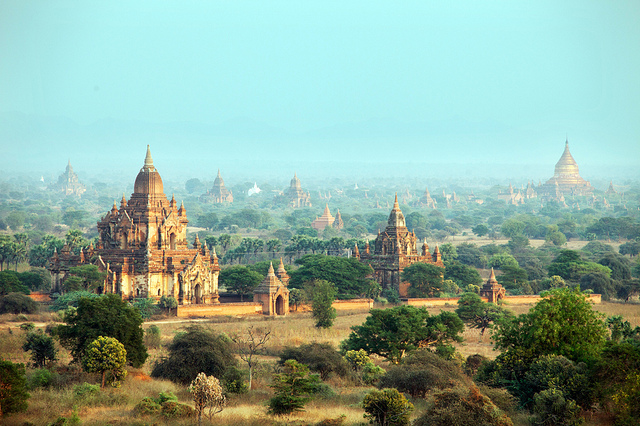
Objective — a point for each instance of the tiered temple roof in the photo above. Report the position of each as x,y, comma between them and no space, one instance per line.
323,221
218,193
295,196
68,183
566,179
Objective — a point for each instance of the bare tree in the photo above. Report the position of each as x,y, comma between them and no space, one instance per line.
249,345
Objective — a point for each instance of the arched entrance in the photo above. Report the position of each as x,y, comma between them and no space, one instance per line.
280,306
197,291
172,241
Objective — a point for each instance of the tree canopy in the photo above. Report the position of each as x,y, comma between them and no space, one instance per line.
425,279
393,332
108,316
348,274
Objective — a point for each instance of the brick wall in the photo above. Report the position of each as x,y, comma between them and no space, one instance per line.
246,308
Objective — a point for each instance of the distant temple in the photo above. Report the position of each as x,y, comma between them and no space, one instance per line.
566,180
511,197
492,290
143,249
295,196
218,194
426,200
68,183
323,221
394,250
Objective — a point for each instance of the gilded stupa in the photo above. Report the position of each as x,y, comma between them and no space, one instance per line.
566,180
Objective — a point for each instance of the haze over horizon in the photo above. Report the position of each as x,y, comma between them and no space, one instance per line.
269,88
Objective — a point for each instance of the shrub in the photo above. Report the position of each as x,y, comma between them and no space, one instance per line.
85,391
422,372
293,388
207,392
147,307
152,337
323,293
552,408
387,407
71,299
13,390
233,381
195,351
42,348
167,303
40,378
27,326
147,406
17,303
367,372
321,358
462,406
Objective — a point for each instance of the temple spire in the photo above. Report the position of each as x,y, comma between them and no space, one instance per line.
270,272
148,161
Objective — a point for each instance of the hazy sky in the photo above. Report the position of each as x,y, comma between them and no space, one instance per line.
484,79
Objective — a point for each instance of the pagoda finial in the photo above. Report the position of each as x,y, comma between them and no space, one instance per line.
492,277
214,255
271,272
219,172
395,203
148,161
196,242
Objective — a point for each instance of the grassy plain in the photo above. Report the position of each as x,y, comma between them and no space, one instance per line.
115,406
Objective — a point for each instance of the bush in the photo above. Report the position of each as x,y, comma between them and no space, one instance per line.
147,406
321,358
462,406
195,351
147,307
367,372
387,407
233,381
293,388
71,299
152,337
40,378
552,408
167,303
422,372
13,390
42,348
17,303
322,294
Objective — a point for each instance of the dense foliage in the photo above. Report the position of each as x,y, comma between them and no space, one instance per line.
108,316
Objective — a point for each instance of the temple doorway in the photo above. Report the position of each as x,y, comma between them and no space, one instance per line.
280,306
172,241
197,291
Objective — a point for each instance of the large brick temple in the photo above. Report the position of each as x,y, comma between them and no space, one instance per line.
143,248
396,248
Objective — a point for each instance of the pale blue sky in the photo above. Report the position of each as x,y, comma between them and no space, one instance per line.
486,80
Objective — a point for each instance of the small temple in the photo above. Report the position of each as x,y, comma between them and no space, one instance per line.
143,249
426,200
295,196
218,194
492,290
394,249
272,292
323,221
68,183
566,179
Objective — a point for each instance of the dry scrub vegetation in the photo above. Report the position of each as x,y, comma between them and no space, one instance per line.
115,406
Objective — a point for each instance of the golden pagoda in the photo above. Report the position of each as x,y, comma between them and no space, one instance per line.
566,180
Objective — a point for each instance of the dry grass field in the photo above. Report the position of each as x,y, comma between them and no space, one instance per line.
115,406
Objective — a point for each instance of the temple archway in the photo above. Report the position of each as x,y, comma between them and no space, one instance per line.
280,306
197,291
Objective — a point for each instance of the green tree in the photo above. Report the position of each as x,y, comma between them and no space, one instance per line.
387,407
108,316
462,275
393,332
240,279
146,306
208,221
425,279
17,303
13,388
322,294
42,348
512,227
562,323
167,303
480,230
88,277
197,350
476,313
500,260
249,345
106,355
321,358
10,283
293,388
348,274
570,266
